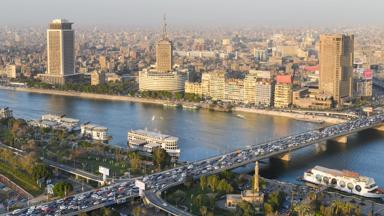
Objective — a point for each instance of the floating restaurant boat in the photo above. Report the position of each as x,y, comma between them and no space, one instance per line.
191,107
145,140
344,180
171,105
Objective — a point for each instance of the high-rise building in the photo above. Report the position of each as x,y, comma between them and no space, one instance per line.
336,61
97,78
103,62
283,91
217,85
164,53
60,48
205,84
234,90
60,51
250,88
193,88
264,92
163,77
10,71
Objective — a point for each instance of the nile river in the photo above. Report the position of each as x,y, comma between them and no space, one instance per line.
203,133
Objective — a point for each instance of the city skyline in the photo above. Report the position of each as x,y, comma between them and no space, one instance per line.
147,13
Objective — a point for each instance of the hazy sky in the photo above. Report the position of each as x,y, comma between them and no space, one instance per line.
195,12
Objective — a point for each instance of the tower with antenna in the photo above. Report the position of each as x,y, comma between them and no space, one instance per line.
164,35
164,51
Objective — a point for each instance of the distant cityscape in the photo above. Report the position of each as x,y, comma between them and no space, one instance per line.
309,69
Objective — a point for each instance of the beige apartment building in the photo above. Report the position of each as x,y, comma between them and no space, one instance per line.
304,98
255,88
234,90
205,80
103,62
336,61
250,81
10,71
97,78
217,85
193,88
264,92
283,91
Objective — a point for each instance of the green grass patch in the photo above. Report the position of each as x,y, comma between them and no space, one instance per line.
20,178
92,165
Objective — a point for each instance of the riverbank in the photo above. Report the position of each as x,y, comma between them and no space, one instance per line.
293,115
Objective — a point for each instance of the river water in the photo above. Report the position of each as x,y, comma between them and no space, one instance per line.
204,133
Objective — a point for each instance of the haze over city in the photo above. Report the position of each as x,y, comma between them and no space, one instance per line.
199,107
197,12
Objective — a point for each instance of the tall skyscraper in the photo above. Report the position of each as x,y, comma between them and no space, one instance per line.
336,61
60,48
164,51
163,77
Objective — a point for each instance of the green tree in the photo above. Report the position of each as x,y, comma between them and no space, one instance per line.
178,196
62,189
160,157
213,182
200,200
246,208
275,199
268,209
188,182
203,182
41,171
107,212
134,160
224,187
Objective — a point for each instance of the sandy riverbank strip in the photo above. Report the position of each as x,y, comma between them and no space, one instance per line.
294,115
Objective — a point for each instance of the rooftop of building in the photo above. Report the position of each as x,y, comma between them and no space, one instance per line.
60,21
94,127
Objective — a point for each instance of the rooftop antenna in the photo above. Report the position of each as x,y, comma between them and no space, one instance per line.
164,26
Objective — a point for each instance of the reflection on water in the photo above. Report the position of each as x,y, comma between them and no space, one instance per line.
204,133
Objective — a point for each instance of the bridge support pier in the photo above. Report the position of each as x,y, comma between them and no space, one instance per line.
283,157
341,139
321,147
380,128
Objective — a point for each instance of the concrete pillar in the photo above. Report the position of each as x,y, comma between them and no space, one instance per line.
284,156
380,128
321,147
341,139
